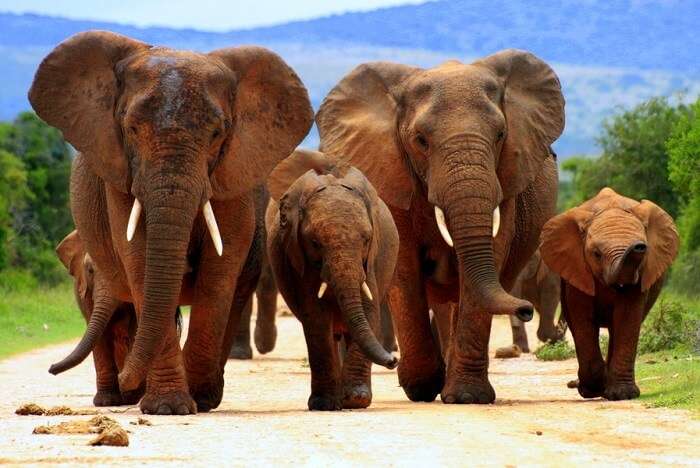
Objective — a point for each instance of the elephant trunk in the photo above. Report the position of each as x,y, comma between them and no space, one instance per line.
348,291
471,218
625,269
170,210
99,318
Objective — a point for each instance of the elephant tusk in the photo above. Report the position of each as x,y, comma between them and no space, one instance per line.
213,227
133,219
442,227
366,290
322,289
496,221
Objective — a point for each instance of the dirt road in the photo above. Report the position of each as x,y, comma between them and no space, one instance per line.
263,419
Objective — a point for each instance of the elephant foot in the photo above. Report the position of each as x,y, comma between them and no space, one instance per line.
357,396
616,392
242,352
208,395
477,391
265,338
108,398
177,402
425,389
324,403
591,387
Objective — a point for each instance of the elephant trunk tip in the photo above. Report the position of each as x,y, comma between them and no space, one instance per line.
391,363
57,368
524,313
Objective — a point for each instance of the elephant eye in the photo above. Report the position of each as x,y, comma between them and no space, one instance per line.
422,141
315,243
216,134
500,135
597,254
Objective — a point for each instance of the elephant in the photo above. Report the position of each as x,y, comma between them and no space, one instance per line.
332,245
461,154
265,335
117,322
612,253
539,285
172,146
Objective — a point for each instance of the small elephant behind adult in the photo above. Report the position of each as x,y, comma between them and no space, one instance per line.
612,254
540,285
332,244
111,323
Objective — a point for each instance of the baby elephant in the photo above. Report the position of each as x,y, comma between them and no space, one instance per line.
111,325
612,253
332,244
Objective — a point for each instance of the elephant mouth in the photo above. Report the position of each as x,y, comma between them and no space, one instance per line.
445,232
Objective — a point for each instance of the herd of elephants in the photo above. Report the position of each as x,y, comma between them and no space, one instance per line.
433,194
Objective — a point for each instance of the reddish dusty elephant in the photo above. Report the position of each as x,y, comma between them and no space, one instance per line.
172,146
612,253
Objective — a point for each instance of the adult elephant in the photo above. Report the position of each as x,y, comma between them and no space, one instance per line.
451,150
179,140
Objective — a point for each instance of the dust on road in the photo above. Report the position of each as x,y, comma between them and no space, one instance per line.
263,419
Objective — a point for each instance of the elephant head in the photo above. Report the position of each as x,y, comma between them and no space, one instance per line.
333,230
174,130
610,240
467,136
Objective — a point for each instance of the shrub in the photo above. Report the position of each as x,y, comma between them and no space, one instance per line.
555,351
669,325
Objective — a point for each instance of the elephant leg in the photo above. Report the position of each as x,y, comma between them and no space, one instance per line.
122,331
265,327
240,349
624,334
324,363
578,310
106,373
517,327
442,323
388,338
166,383
547,330
421,368
357,382
468,360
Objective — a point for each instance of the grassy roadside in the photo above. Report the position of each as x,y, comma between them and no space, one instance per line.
670,379
31,318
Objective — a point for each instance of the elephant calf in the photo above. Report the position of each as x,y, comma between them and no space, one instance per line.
612,253
111,325
332,244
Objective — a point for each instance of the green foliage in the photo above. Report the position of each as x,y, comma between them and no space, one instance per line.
634,161
34,181
671,324
42,317
670,379
558,351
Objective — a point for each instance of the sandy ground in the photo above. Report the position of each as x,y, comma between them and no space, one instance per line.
263,420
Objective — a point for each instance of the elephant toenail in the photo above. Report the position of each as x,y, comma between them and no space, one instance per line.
449,399
164,410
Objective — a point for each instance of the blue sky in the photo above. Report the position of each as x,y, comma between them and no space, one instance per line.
213,15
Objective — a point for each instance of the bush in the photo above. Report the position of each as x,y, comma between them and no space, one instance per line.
670,324
558,351
17,280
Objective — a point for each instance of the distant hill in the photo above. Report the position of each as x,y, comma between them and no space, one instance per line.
607,53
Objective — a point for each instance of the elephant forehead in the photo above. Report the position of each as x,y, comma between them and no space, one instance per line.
335,210
455,79
616,225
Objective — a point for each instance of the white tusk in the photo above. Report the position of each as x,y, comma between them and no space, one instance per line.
442,227
133,219
213,227
366,290
322,289
496,221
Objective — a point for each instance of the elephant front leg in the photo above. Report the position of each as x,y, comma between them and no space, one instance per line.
624,335
265,327
468,361
240,349
324,363
166,383
517,327
357,382
579,313
106,373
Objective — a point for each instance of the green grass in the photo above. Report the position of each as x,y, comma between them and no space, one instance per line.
31,317
558,351
670,379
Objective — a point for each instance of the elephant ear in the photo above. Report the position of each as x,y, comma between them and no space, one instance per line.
662,241
533,105
357,124
272,116
562,248
293,167
71,252
75,90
